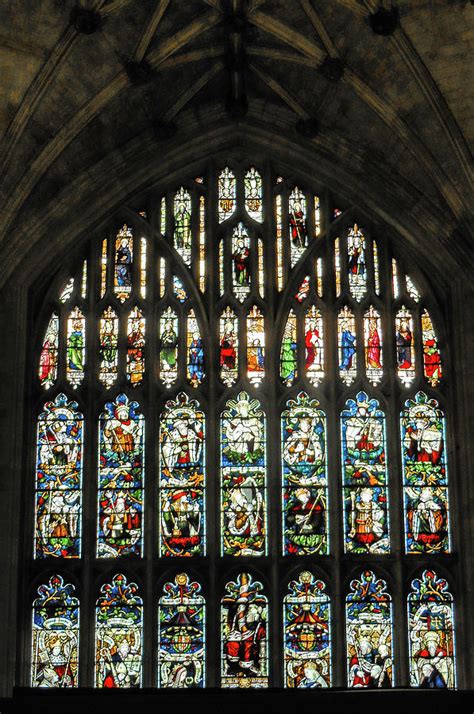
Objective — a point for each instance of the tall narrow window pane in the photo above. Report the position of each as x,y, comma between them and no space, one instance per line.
431,633
182,224
76,347
48,362
243,474
405,347
179,291
244,636
369,633
181,635
202,243
306,634
55,636
67,291
279,241
314,343
347,345
337,265
227,194
118,635
182,478
135,347
255,346
195,351
59,480
303,437
412,290
253,194
431,355
143,248
108,347
376,268
364,473
425,476
121,479
123,263
168,354
303,290
288,354
373,345
317,216
298,224
228,347
103,268
241,262
356,264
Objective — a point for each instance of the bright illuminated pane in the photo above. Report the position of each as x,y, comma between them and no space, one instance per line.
181,635
58,480
182,224
103,268
163,216
221,268
255,346
76,347
373,345
135,347
143,248
356,264
118,635
108,350
431,638
395,279
243,478
304,478
179,291
288,354
261,270
84,280
227,194
405,346
319,276
297,224
181,482
425,476
364,477
162,276
412,290
240,262
317,216
432,367
314,344
253,194
123,263
195,351
55,636
202,243
48,361
121,479
67,291
168,350
303,290
306,634
279,242
337,266
347,345
369,633
244,636
376,268
228,347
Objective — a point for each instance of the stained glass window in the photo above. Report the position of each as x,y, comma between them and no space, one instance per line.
356,264
298,224
431,354
431,633
347,345
241,255
314,344
255,346
59,463
405,347
307,634
228,347
227,194
253,194
373,345
135,347
121,479
123,263
369,633
55,636
118,635
108,338
76,347
425,476
182,224
181,635
48,362
168,365
195,351
244,634
288,354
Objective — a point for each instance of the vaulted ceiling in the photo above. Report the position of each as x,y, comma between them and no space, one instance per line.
83,90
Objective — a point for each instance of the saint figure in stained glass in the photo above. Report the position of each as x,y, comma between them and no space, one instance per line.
182,224
228,347
135,347
255,346
108,348
288,354
431,353
48,362
76,341
123,263
195,349
347,343
404,343
373,345
169,347
314,343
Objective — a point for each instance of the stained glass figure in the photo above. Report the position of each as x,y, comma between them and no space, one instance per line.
76,347
244,635
227,194
118,635
121,479
103,268
319,276
243,478
253,194
297,224
240,262
356,263
412,290
369,633
143,249
181,635
48,361
55,636
347,345
67,291
182,474
228,347
202,243
303,290
179,291
432,367
317,216
364,476
337,265
279,242
195,351
373,345
314,344
58,480
288,354
108,347
182,224
304,478
425,476
431,638
261,269
255,346
84,280
135,347
123,263
376,268
405,347
162,276
306,634
168,349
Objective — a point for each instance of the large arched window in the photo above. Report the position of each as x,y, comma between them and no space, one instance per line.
241,449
